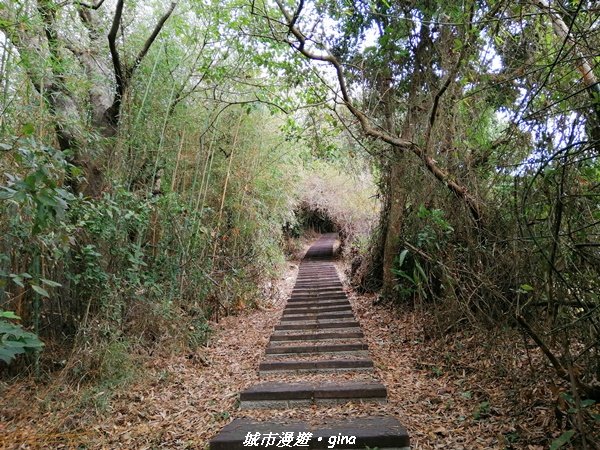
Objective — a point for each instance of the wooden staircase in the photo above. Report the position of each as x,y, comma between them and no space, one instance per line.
317,334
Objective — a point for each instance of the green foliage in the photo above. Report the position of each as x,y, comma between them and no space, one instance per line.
481,411
408,269
33,188
562,440
412,269
14,340
435,229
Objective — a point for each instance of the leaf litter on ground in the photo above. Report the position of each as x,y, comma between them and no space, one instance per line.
453,392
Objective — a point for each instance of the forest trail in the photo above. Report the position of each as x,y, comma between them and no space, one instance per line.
447,395
317,334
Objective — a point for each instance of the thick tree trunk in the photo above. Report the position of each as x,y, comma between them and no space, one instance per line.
398,188
74,116
395,218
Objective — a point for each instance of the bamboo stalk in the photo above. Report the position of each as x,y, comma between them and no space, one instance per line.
174,177
235,139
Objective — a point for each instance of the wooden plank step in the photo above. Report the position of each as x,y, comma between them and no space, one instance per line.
304,279
317,287
310,319
307,267
331,276
318,284
317,293
319,274
354,334
317,301
319,348
311,366
287,391
316,309
382,432
327,290
317,325
318,304
318,315
302,298
317,270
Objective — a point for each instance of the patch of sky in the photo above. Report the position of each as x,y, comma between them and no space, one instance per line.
551,139
489,57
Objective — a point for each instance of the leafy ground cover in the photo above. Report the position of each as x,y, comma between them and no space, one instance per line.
454,392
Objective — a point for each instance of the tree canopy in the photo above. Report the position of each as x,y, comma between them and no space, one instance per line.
156,157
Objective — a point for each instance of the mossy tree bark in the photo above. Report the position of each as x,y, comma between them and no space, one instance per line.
49,50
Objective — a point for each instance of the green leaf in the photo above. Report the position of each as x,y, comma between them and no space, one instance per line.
402,257
27,129
75,171
562,440
17,280
9,315
526,287
46,199
8,354
7,193
40,290
50,283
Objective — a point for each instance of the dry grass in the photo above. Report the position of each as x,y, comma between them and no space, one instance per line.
464,391
350,201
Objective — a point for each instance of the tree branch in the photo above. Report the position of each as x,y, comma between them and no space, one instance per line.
590,391
124,74
458,190
90,5
152,37
450,78
114,53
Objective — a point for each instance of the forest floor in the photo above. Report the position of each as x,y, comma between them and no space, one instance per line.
468,390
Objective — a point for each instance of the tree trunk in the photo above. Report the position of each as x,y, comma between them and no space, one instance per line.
395,218
105,94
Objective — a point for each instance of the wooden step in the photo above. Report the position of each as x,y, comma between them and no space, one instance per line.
353,334
333,276
303,298
317,348
318,284
382,432
318,294
291,310
336,365
317,316
318,304
317,325
279,395
321,291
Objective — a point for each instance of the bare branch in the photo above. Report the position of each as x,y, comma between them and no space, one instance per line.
564,32
114,53
153,36
89,5
299,45
590,390
123,74
297,13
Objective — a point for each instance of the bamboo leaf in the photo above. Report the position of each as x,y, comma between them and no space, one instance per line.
40,290
562,440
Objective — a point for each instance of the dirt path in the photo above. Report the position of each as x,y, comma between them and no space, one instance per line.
446,399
